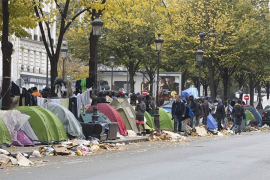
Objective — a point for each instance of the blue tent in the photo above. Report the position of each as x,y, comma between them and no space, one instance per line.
168,107
211,122
189,92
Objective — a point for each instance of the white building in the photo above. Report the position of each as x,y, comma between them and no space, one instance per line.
29,58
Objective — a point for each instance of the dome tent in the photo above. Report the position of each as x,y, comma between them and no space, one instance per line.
127,113
45,124
113,116
87,117
71,124
4,134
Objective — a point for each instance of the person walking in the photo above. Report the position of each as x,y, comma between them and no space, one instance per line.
178,113
194,107
220,113
147,102
140,110
238,113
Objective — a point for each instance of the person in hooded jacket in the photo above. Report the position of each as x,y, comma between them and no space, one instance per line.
238,113
195,109
219,114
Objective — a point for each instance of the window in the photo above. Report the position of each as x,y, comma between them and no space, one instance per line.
35,37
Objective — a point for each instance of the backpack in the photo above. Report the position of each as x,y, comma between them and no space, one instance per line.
189,111
238,111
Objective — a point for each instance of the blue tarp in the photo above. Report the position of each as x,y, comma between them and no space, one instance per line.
189,92
211,122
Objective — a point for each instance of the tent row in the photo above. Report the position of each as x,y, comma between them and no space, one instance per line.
26,125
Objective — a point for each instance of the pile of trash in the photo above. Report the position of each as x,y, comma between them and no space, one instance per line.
165,136
6,159
202,131
265,128
78,148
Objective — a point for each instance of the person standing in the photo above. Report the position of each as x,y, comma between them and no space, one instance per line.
194,107
187,129
147,102
204,110
238,113
220,114
178,113
36,93
140,110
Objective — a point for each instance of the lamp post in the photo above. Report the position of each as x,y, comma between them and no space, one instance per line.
158,42
199,54
97,25
112,59
47,62
64,52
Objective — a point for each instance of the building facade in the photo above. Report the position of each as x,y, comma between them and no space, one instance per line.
29,58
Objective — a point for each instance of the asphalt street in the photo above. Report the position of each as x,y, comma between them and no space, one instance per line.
234,157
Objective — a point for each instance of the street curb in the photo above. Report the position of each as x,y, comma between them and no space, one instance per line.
127,141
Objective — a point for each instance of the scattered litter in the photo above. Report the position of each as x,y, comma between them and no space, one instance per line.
131,133
165,136
22,161
201,131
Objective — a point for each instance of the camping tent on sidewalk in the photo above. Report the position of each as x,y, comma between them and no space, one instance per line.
87,117
127,113
4,134
255,113
45,124
71,124
165,120
113,116
28,130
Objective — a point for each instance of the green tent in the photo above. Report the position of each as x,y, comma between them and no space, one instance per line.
45,124
126,112
165,119
87,117
249,117
4,133
149,120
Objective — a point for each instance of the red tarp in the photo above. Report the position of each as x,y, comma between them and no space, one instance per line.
113,116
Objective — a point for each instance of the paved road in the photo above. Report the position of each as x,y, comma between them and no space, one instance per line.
234,157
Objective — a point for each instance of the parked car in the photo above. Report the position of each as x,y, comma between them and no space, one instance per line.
266,115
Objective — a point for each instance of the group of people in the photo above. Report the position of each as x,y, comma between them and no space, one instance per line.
201,108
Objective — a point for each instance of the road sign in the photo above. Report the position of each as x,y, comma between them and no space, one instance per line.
144,92
246,97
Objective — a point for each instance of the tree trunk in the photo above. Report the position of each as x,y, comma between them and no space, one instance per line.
184,79
251,90
54,74
212,83
205,86
7,49
225,78
151,81
259,97
267,90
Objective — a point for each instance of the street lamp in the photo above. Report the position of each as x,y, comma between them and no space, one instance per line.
199,54
64,52
159,42
96,25
112,59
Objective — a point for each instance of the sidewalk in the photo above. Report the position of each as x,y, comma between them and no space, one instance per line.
29,150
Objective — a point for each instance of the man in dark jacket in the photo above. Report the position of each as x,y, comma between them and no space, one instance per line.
220,113
178,113
194,107
204,110
238,113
